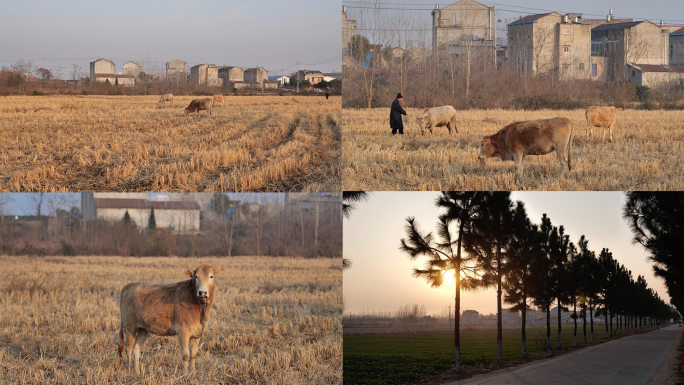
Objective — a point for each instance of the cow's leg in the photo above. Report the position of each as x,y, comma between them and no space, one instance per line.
194,348
449,127
184,340
453,124
129,342
562,158
139,341
518,159
610,131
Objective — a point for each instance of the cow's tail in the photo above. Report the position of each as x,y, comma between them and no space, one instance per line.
570,150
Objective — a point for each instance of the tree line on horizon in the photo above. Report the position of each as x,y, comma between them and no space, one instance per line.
487,240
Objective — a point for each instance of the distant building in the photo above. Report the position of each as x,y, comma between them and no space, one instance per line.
270,84
348,31
257,74
205,74
653,75
238,85
470,317
228,74
308,201
103,70
677,47
465,26
177,216
634,42
313,76
131,68
176,68
509,317
334,75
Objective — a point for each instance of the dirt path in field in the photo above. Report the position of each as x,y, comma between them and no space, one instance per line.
648,358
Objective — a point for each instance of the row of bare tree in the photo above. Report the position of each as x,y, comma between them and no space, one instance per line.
282,230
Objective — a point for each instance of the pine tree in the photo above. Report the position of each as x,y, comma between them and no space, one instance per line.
152,223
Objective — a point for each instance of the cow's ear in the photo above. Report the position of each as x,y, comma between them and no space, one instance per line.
189,273
217,268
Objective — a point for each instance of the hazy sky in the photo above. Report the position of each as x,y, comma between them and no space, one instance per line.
274,34
381,276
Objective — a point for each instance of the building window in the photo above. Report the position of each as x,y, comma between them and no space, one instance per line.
566,31
566,48
581,66
453,19
633,73
671,50
594,69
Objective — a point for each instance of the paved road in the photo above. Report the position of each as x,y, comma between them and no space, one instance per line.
636,360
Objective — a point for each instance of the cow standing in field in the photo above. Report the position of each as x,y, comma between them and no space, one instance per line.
199,105
219,99
166,98
602,117
533,137
181,309
438,117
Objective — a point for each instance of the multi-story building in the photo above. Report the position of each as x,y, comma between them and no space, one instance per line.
205,74
103,70
257,74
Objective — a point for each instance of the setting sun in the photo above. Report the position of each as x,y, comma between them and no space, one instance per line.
448,277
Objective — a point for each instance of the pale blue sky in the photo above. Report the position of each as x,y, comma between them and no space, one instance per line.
381,276
273,34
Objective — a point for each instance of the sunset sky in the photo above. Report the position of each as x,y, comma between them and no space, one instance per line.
381,276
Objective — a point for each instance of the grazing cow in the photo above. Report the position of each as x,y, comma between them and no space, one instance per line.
166,98
533,137
181,309
219,99
199,105
602,117
438,117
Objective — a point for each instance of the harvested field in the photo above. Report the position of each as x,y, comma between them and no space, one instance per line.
275,321
132,143
646,154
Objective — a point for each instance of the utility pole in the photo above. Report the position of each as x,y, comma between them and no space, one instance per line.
297,77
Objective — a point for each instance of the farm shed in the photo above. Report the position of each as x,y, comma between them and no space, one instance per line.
178,216
652,75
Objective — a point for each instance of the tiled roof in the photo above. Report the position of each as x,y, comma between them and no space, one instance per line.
606,27
658,68
530,18
113,76
113,203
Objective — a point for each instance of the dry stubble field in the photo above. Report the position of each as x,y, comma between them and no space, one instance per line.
275,321
131,143
646,154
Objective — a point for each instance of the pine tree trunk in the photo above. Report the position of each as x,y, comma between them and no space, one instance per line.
457,320
591,319
548,327
499,331
524,318
559,323
574,309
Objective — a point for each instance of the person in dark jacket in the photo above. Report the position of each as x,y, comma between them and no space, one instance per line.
395,115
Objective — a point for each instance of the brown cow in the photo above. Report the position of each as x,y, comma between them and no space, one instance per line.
602,117
219,99
166,98
199,105
181,309
533,137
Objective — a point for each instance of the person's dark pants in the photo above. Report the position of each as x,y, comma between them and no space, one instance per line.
401,131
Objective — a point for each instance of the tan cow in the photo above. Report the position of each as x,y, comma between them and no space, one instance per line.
219,99
437,117
602,117
181,309
533,137
199,105
166,98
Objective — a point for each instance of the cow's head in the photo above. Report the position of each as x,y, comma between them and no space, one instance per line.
422,122
204,281
487,149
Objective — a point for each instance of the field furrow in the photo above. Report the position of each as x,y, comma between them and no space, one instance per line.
131,143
